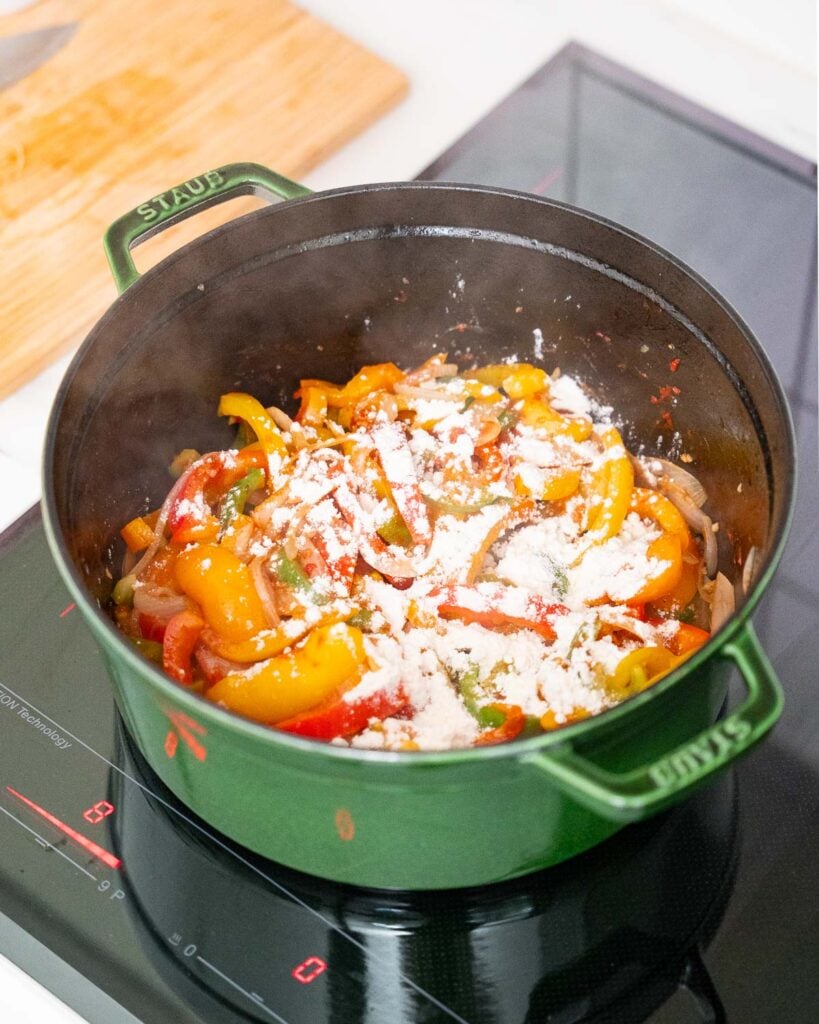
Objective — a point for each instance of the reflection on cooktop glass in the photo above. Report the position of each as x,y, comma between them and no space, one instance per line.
117,898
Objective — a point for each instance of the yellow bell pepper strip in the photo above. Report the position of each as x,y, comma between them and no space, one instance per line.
679,597
557,486
190,518
486,607
536,413
611,488
525,381
251,411
313,409
181,636
548,720
137,534
292,683
494,374
396,461
340,717
656,507
379,376
270,642
640,669
223,587
666,549
518,514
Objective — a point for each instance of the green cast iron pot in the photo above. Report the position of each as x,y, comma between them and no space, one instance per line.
317,287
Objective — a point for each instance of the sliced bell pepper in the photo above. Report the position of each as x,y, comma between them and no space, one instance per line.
687,639
396,461
518,514
190,518
611,488
181,636
269,642
680,596
151,627
537,413
137,534
313,409
467,604
525,381
289,684
290,573
233,503
666,549
223,587
368,378
512,726
548,720
249,409
340,717
379,376
639,669
652,505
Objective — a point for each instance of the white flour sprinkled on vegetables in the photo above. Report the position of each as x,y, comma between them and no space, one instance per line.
419,561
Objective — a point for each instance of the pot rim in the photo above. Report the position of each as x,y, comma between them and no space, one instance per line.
520,749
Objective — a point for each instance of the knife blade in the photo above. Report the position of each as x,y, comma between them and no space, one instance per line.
23,53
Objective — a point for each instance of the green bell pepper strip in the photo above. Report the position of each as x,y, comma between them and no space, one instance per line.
123,593
395,531
150,648
233,503
291,574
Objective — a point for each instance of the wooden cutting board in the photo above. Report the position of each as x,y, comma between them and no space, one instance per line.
145,95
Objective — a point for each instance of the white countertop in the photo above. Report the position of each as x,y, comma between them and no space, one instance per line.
749,60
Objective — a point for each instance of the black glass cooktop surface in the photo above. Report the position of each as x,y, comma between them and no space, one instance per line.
132,910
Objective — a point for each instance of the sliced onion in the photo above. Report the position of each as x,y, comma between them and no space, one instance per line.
265,590
749,569
682,479
280,418
723,603
696,519
643,476
430,370
213,666
397,567
159,602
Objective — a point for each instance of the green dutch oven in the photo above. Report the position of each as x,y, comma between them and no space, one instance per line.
316,287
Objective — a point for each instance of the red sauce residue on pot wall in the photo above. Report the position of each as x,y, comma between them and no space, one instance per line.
345,826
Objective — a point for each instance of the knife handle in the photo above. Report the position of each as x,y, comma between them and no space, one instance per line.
182,201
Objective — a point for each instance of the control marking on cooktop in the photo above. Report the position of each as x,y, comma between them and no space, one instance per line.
48,845
452,1014
67,609
87,844
254,997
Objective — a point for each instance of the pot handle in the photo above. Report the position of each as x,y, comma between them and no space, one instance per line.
633,795
175,204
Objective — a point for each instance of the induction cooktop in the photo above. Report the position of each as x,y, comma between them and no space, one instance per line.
128,907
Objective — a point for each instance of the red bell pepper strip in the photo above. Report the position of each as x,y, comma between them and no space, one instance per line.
190,518
486,607
181,636
687,639
151,628
339,717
